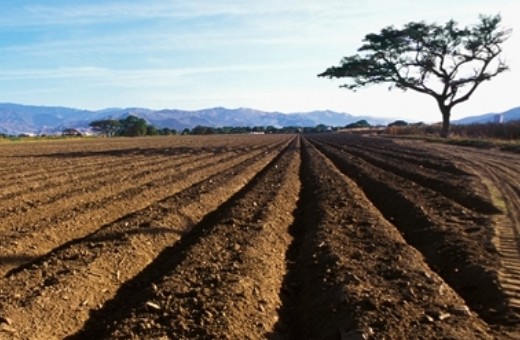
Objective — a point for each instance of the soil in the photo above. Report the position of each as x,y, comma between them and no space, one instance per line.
331,236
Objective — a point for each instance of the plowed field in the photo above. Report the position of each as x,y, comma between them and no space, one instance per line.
258,237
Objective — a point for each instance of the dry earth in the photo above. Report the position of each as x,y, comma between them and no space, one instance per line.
258,237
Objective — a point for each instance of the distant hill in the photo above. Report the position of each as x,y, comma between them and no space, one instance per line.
513,114
17,119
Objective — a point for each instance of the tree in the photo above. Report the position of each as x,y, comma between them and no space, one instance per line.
199,130
437,60
107,127
151,130
133,126
168,132
270,129
398,123
359,124
321,128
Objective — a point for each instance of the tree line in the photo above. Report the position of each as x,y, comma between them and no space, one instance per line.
130,126
135,126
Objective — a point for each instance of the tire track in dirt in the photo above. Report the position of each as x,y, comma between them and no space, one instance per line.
86,217
354,277
456,243
500,173
89,271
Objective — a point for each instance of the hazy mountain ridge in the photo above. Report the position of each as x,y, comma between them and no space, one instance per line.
509,115
17,119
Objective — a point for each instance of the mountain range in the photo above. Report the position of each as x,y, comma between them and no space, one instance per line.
509,115
18,119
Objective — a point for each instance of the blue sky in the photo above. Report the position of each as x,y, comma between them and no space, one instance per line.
194,54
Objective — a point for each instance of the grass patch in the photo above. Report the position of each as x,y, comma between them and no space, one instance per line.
496,197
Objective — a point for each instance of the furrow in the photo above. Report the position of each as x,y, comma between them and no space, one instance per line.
67,185
451,186
387,148
500,175
456,243
204,285
86,217
115,253
354,276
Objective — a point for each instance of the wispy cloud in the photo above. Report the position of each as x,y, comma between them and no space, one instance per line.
230,51
181,9
147,75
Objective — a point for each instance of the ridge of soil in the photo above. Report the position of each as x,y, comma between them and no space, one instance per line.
330,236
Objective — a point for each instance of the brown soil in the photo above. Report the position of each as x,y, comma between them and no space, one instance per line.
258,237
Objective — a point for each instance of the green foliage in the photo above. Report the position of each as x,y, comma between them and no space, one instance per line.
359,124
398,123
437,60
107,127
258,129
133,126
167,132
199,130
152,131
270,129
320,128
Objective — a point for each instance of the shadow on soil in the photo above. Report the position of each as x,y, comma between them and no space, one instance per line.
289,324
160,151
443,252
16,259
90,241
134,293
463,197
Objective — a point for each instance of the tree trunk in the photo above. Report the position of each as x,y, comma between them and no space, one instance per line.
445,110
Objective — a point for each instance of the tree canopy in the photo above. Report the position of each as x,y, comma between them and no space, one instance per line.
107,127
359,124
443,61
133,126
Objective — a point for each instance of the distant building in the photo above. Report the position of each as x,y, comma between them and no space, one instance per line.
498,119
